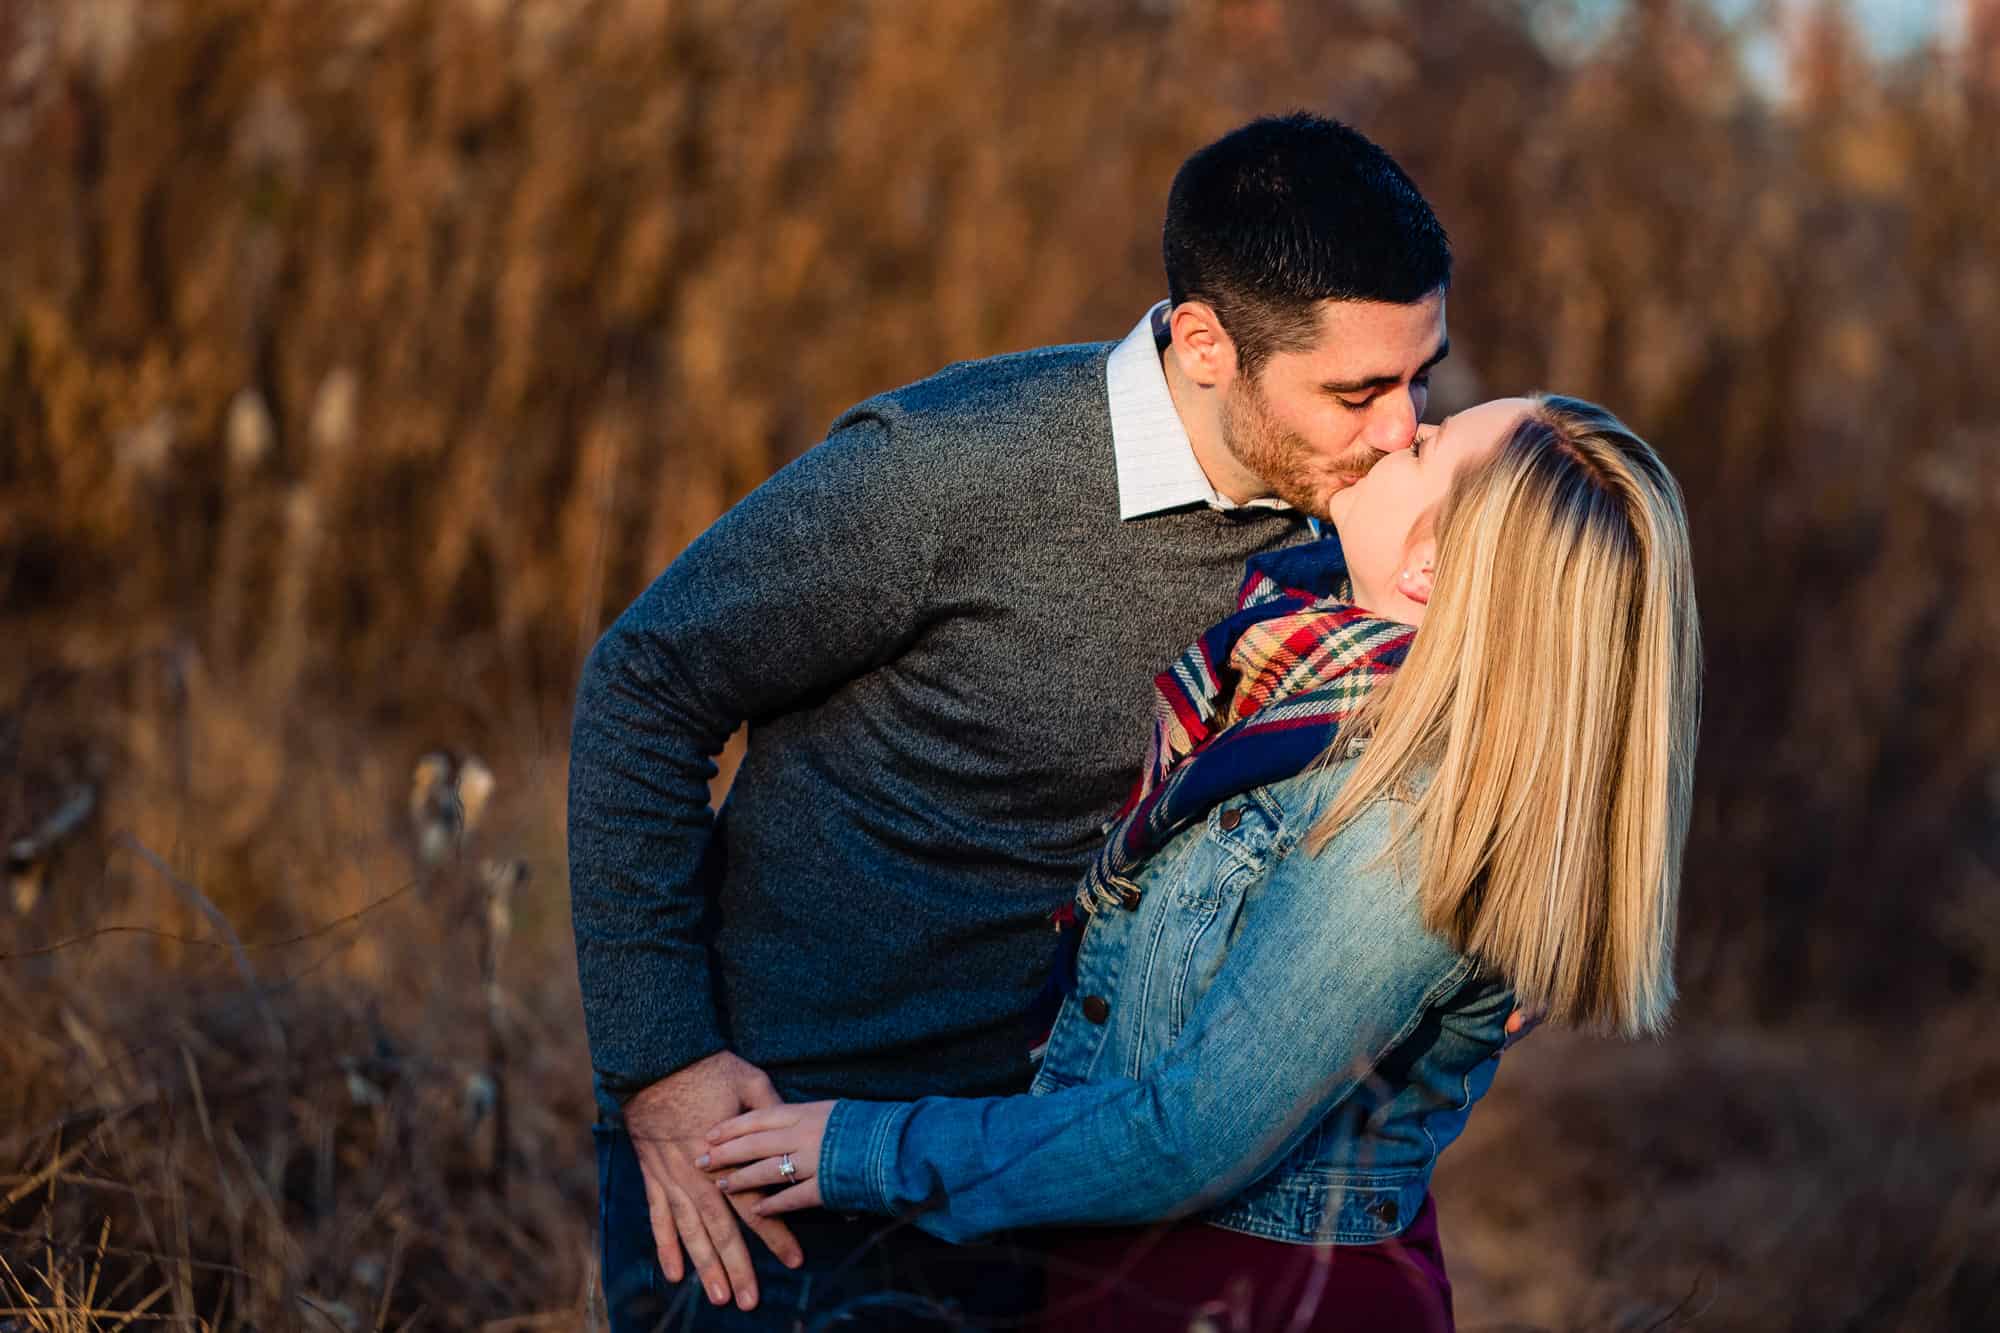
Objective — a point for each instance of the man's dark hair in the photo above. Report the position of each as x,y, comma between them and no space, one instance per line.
1286,212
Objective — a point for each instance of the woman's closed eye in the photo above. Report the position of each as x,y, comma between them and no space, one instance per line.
1426,436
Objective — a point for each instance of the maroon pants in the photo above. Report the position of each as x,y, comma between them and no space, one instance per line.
1165,1277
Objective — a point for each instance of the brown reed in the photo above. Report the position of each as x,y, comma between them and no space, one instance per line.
362,358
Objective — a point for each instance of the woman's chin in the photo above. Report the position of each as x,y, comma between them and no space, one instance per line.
1334,504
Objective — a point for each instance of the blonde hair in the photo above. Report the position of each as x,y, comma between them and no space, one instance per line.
1543,725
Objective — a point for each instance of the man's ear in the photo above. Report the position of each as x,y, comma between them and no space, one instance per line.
1416,577
1205,353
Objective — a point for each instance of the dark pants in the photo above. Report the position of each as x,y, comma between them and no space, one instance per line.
865,1273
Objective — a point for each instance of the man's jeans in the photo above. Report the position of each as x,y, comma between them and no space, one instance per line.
860,1274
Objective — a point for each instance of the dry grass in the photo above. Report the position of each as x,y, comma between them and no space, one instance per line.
361,358
1733,1177
334,1122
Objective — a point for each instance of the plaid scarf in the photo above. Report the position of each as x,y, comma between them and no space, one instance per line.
1254,700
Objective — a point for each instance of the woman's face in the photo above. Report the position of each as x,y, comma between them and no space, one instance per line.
1386,519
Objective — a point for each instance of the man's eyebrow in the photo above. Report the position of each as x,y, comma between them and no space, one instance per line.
1386,381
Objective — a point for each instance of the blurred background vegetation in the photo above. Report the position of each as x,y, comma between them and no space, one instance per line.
359,359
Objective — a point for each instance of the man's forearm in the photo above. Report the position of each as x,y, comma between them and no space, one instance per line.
639,828
749,620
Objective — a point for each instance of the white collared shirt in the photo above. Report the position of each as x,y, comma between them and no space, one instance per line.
1157,468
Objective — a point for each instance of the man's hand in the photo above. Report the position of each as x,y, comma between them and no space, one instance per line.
668,1123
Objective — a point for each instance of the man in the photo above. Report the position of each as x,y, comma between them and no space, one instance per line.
941,625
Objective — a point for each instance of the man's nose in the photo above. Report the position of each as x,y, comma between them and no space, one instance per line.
1393,423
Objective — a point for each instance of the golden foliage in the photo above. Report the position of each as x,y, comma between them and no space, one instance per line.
360,359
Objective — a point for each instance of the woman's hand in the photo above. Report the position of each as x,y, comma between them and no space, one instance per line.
760,1142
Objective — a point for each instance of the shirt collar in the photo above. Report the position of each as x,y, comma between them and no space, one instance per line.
1157,469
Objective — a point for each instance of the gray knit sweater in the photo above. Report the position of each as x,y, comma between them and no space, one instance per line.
943,639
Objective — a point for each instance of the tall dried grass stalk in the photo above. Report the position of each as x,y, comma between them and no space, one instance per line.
361,358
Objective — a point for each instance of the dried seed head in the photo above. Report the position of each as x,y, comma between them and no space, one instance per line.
24,882
249,431
475,789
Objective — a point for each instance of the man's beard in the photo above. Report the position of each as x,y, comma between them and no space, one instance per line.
1281,457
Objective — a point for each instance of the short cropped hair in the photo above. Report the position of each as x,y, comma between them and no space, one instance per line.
1286,212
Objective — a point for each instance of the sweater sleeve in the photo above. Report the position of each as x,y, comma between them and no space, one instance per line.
812,580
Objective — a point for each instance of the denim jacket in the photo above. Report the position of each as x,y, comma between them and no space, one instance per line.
1264,1037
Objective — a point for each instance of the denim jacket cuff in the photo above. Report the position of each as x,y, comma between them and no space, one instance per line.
857,1155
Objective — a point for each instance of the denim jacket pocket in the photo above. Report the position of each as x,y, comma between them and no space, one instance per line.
1238,839
1188,928
1173,943
1249,833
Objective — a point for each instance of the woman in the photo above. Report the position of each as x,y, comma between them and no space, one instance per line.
1304,983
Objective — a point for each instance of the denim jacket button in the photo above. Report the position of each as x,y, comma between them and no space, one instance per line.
1096,1008
1129,900
1385,1211
1231,818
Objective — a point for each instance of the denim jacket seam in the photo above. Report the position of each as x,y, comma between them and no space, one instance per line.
1230,1220
1444,986
1248,853
1347,1177
1184,966
879,1156
1235,1220
1250,849
1261,857
1154,937
1089,1040
1464,1101
1230,858
1236,1216
832,1143
1253,855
